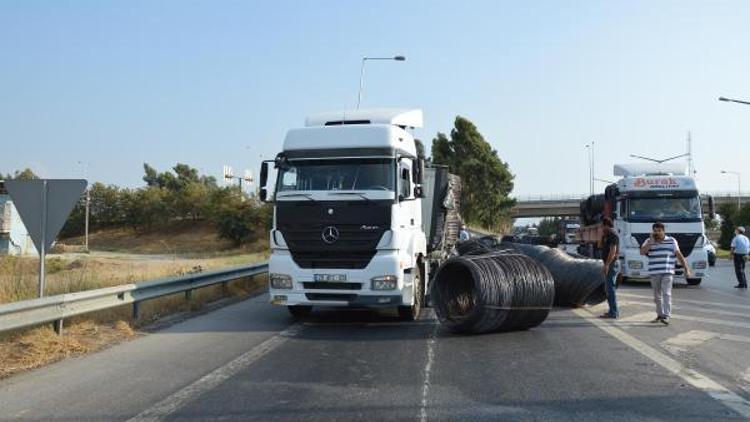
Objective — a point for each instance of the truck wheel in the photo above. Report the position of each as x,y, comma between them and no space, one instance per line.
411,313
694,281
300,311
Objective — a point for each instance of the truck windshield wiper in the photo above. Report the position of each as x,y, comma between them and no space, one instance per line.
360,194
291,195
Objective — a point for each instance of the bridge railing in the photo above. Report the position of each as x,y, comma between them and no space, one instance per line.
550,197
56,308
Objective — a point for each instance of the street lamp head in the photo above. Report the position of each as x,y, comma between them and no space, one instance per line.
723,99
400,58
723,172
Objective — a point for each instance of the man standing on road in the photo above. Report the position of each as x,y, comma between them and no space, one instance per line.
662,251
610,253
740,249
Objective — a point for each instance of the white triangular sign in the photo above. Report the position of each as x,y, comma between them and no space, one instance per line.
32,197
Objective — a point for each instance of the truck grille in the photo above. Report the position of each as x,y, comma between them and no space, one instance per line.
332,286
686,241
333,259
331,296
359,225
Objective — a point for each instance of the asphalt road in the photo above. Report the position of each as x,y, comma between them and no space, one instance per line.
251,361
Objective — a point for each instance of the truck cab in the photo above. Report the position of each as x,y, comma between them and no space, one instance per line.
647,194
347,228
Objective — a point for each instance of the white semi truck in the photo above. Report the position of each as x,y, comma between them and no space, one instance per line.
358,219
647,193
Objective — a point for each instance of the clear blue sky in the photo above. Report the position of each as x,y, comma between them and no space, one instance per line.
116,84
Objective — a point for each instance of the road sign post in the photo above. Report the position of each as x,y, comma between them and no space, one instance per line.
44,205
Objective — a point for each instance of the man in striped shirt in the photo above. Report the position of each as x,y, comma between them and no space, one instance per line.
662,252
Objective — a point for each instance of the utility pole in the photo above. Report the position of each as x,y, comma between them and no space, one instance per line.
88,204
691,169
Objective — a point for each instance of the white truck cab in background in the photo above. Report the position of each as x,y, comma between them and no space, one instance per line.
645,194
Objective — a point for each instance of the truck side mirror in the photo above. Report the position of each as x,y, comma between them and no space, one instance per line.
418,192
711,208
263,174
263,194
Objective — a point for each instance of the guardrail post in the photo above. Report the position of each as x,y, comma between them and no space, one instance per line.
136,311
58,326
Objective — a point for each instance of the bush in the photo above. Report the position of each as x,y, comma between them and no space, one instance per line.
241,220
731,219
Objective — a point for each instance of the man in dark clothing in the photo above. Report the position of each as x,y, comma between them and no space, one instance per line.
610,253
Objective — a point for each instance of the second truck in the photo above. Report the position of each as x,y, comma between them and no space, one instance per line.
645,194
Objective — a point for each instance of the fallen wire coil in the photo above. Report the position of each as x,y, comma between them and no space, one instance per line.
472,247
578,282
499,291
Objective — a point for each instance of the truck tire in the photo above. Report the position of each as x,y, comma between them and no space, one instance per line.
300,311
693,281
411,313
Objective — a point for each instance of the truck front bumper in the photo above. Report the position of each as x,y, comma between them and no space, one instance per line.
356,291
634,266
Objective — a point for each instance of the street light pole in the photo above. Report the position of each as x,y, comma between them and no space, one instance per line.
732,100
362,73
739,187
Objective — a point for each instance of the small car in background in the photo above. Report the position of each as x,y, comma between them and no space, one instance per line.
711,251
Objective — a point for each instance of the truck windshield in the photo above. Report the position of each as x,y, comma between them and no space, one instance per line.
338,175
665,209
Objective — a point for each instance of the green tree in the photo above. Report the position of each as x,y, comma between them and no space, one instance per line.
486,179
25,174
548,226
731,219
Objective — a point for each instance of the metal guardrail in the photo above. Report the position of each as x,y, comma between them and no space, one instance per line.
56,308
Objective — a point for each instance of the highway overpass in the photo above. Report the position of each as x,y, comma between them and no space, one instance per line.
568,205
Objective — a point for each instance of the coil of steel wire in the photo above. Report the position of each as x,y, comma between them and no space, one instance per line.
577,281
499,291
472,247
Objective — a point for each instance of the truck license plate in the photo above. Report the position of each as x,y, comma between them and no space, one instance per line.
329,277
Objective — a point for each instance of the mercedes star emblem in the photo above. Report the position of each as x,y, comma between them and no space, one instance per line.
330,235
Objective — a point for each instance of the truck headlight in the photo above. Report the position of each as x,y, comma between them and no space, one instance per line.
280,281
699,265
385,282
636,265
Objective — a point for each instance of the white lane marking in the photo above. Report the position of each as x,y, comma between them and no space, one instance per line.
693,301
713,321
690,308
641,317
207,383
682,342
717,391
427,372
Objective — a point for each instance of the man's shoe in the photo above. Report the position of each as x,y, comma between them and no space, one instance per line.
607,316
739,286
658,319
665,320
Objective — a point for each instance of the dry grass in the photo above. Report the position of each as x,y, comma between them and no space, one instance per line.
180,238
76,272
40,346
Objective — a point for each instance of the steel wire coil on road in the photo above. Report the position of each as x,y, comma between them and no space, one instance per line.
499,291
578,282
472,247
